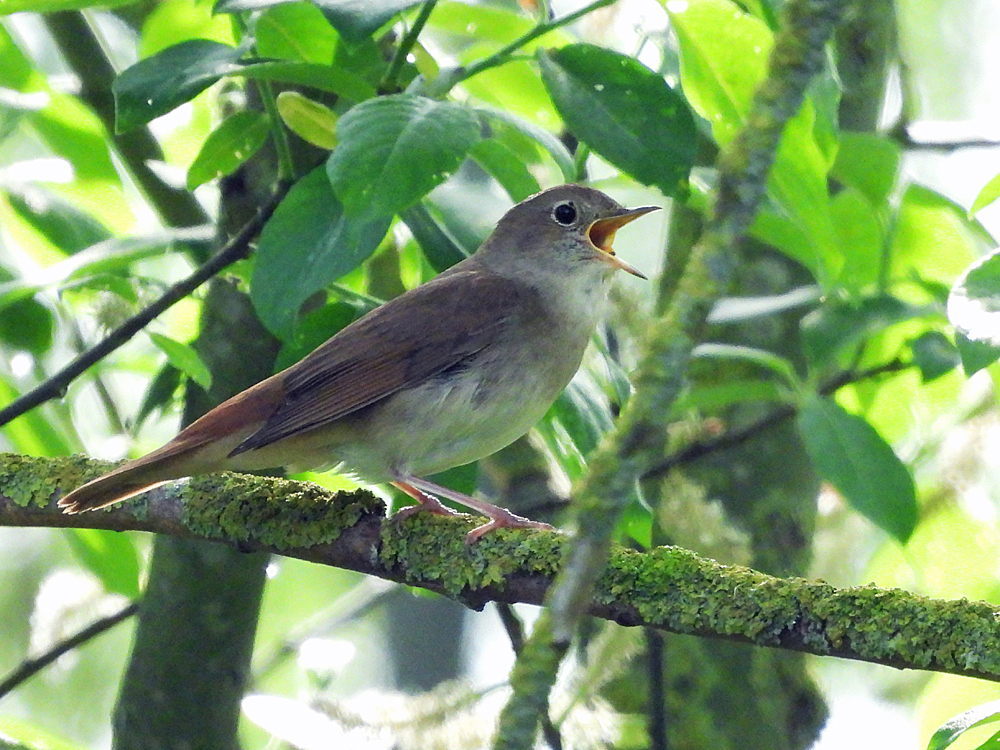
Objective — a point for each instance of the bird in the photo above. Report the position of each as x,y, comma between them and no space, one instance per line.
447,373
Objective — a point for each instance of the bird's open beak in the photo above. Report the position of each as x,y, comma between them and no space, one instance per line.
602,234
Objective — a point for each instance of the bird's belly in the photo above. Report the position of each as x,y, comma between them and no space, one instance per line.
445,422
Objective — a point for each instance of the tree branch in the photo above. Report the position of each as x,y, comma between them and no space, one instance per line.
55,386
31,667
668,588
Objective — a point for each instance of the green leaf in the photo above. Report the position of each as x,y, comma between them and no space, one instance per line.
354,19
184,358
934,354
154,86
933,234
989,193
309,242
624,111
838,327
308,119
393,150
974,310
323,77
34,433
723,61
760,357
295,31
849,454
859,234
868,163
556,148
159,393
60,222
440,248
500,161
110,556
958,725
27,325
228,146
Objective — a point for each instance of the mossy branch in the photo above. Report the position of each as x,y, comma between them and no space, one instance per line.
669,588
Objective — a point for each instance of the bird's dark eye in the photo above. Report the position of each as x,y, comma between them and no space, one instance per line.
564,213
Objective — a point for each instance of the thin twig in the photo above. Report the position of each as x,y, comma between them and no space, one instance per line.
237,248
391,79
30,667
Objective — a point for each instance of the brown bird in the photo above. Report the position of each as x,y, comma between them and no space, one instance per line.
445,374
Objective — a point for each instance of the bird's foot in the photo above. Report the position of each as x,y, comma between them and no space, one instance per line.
499,518
504,519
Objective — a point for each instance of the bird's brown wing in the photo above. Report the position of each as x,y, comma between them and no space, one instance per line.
400,344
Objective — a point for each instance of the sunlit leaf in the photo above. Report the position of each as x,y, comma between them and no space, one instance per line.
869,163
989,193
956,726
156,85
720,73
974,310
296,31
60,222
228,146
861,241
837,327
848,453
624,111
309,242
308,119
184,358
393,150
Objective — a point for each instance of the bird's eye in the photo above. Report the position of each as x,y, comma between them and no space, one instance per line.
564,213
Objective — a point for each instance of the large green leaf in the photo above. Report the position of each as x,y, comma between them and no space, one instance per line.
154,86
296,31
184,358
956,726
60,222
236,139
849,454
624,111
309,242
974,310
393,150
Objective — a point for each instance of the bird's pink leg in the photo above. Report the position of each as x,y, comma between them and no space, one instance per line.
425,493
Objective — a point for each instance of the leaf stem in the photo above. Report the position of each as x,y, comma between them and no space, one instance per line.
390,82
286,165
